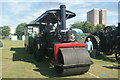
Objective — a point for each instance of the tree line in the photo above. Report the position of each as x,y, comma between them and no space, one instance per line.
5,30
87,27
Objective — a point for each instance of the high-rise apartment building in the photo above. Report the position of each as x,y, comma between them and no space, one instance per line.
97,16
102,16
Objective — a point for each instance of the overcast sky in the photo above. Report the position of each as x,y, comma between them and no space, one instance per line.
14,13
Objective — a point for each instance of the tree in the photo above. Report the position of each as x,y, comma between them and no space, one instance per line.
5,31
113,26
99,26
88,27
31,22
77,25
85,26
0,30
20,29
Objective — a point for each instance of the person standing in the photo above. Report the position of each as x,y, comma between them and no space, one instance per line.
89,45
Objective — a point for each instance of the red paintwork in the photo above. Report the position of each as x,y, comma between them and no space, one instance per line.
59,45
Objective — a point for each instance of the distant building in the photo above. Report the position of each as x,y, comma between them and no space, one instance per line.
97,16
12,31
93,16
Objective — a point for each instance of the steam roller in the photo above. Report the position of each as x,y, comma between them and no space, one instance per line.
72,60
53,40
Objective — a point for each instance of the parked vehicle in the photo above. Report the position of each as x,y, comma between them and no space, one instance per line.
107,40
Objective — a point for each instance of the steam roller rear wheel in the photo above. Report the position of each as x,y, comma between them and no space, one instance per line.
74,61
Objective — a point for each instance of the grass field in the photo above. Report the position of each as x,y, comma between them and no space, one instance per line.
17,63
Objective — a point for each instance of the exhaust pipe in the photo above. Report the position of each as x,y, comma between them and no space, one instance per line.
63,17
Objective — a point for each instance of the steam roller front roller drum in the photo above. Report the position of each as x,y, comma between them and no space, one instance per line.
73,61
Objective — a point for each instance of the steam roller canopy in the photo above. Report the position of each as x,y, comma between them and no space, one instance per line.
73,61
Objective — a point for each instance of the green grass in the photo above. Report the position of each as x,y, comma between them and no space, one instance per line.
17,63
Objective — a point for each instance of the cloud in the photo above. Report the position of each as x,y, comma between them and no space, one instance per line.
112,17
112,13
11,11
28,11
81,14
32,16
4,20
17,7
71,4
59,0
39,11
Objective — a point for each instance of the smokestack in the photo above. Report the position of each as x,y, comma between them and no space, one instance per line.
63,17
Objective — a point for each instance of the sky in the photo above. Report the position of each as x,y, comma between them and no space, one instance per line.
12,13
